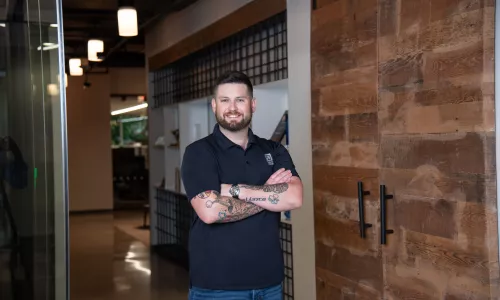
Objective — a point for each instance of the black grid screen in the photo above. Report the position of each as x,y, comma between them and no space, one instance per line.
174,216
260,51
286,246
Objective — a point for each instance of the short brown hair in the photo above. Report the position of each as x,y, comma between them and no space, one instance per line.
234,77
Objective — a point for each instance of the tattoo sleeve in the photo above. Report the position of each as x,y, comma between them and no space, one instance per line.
272,192
228,209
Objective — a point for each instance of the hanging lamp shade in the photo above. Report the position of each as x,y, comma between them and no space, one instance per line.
127,21
93,47
75,67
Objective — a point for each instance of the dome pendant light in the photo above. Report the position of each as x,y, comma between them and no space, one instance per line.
127,21
94,47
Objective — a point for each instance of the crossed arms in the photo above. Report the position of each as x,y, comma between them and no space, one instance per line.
281,192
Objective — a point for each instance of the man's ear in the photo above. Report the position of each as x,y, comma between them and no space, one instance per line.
214,104
254,105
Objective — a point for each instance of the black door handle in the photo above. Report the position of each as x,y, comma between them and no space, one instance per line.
361,210
383,231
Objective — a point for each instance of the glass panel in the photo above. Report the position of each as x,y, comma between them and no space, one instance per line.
33,202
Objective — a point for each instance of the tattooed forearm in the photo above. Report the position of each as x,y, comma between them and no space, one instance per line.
255,199
243,210
273,198
229,209
270,188
226,201
275,191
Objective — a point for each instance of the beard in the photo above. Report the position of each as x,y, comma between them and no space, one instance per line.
233,125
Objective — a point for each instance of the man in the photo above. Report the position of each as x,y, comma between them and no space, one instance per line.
238,185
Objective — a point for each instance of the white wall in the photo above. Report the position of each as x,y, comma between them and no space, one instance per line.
178,26
211,117
193,124
299,114
172,156
272,101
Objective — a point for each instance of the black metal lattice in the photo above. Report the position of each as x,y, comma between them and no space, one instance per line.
174,215
260,51
286,246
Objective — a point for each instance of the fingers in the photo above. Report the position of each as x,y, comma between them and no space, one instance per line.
283,177
280,176
275,175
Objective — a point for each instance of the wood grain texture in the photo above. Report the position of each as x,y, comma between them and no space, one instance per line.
332,286
436,217
346,140
421,111
449,153
366,270
465,61
345,208
343,181
446,256
344,233
344,37
428,182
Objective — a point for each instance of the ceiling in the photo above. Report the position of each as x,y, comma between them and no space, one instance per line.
87,19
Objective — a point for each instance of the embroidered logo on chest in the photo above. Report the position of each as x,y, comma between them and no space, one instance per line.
269,159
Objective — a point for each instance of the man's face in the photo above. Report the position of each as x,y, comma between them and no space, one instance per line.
233,106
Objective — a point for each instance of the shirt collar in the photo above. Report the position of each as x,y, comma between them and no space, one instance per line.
226,143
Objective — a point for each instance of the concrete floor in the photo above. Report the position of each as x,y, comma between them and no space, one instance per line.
108,263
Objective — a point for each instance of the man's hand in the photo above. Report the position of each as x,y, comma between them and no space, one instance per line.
280,176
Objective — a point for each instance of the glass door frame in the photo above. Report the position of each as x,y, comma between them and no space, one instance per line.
61,198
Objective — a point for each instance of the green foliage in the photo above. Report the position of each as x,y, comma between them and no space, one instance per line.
133,131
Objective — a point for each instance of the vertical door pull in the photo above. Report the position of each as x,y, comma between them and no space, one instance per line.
361,210
383,221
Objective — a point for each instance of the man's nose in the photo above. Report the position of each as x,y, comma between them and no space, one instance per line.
232,105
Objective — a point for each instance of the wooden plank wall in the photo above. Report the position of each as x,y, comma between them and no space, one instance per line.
402,94
345,147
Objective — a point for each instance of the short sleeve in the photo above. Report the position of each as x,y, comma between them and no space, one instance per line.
199,171
282,159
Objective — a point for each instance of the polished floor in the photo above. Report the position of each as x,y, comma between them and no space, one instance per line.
110,259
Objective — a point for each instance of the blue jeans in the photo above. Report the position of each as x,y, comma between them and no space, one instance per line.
270,293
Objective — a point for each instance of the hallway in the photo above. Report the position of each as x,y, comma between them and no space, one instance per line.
107,263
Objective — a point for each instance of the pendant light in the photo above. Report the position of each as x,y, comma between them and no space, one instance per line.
75,67
127,21
93,47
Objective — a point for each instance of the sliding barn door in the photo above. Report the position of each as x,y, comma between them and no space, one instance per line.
346,144
402,98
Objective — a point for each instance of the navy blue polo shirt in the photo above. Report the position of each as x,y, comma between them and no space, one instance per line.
239,255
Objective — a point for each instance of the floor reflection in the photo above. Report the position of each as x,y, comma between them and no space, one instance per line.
107,263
